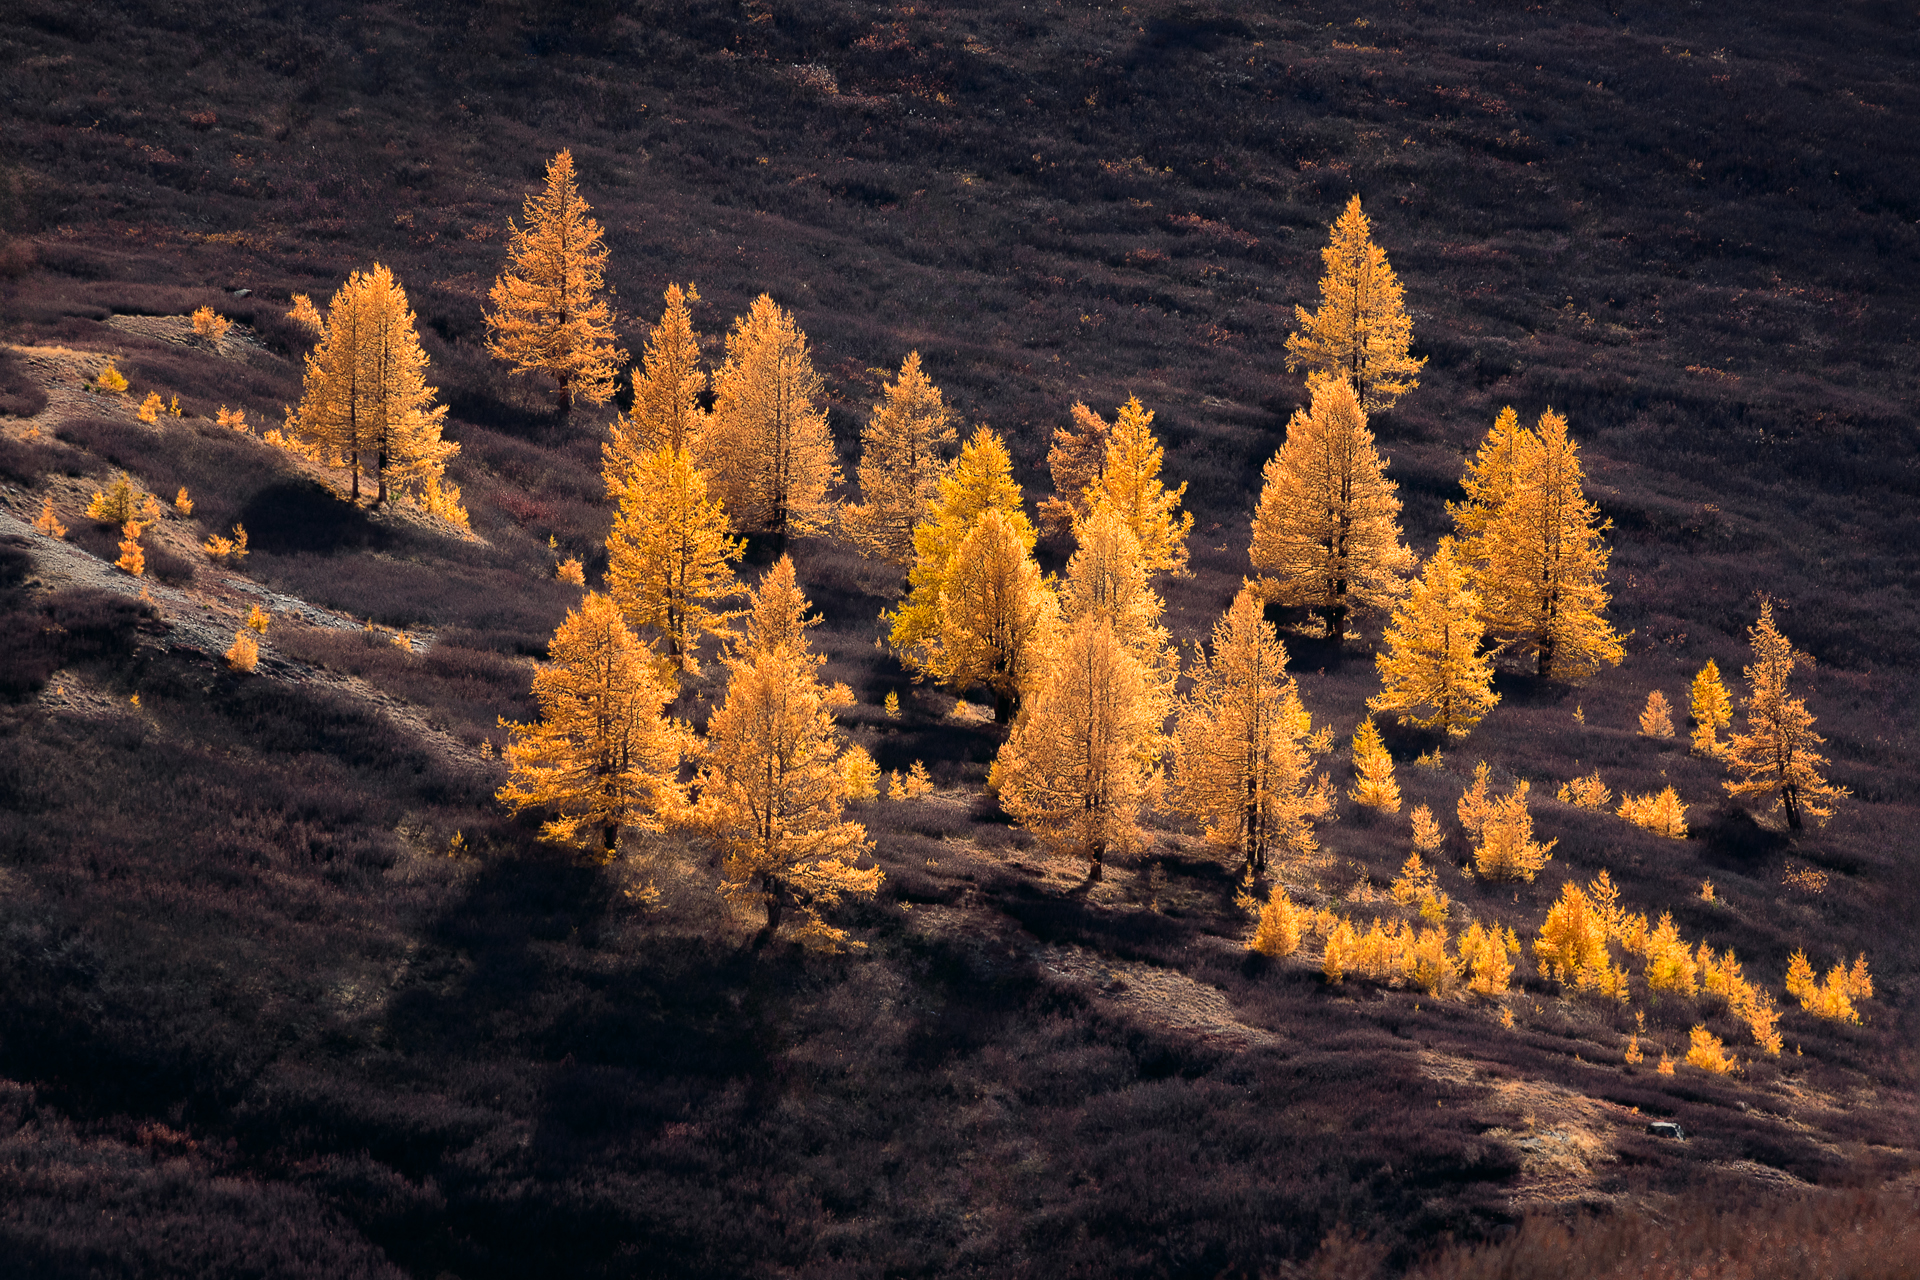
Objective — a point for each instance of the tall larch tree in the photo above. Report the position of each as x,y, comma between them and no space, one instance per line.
1243,748
1488,482
666,412
769,452
601,756
548,315
997,614
1779,753
669,559
900,465
364,396
980,479
1130,483
1433,672
772,782
1361,332
1326,535
1080,761
1074,461
1107,577
1542,576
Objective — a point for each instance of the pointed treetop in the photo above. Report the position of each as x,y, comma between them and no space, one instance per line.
1130,483
778,619
666,409
547,313
1362,332
1074,460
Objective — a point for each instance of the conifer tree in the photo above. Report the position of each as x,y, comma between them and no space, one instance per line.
1130,483
996,615
1108,576
1489,481
1361,332
1432,654
1079,763
1507,849
1711,707
1074,461
769,453
981,478
1656,718
773,780
601,755
666,412
777,615
1243,748
1326,534
364,394
1373,784
547,314
1278,933
1542,575
47,522
114,504
1779,753
669,557
900,465
133,559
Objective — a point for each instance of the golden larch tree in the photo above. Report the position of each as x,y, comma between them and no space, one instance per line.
1542,576
1656,718
1361,332
364,397
548,315
769,452
1507,849
900,465
1107,575
1711,707
1488,482
997,615
1244,746
601,755
669,559
1080,761
666,412
981,478
1326,535
777,616
1433,672
1129,482
1073,460
1373,784
772,782
1779,753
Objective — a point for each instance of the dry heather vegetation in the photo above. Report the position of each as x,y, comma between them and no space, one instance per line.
285,990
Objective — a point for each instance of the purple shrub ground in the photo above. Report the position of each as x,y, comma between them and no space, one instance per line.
254,1006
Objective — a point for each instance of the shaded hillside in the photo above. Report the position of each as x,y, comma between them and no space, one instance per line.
257,998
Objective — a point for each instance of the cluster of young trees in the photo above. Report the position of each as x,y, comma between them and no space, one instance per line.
1080,669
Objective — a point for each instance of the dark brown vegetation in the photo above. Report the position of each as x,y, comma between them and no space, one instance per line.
254,1004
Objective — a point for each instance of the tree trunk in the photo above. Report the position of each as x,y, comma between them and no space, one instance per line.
353,465
1792,803
1336,618
380,477
1099,852
610,837
1002,707
765,935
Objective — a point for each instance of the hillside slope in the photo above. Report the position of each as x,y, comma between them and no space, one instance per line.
283,986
